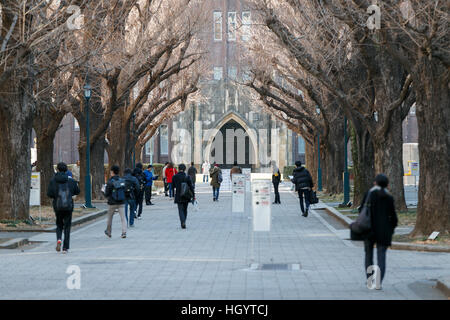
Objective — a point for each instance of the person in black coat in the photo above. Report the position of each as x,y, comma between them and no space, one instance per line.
177,180
276,179
383,222
303,181
133,190
139,174
63,217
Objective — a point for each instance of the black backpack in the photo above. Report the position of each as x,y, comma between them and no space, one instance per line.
185,191
118,192
129,189
64,198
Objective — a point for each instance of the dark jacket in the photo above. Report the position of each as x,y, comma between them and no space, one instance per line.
302,178
134,182
192,171
60,178
176,183
109,189
139,174
214,174
383,216
276,178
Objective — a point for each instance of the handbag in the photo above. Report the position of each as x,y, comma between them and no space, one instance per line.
363,223
185,192
313,197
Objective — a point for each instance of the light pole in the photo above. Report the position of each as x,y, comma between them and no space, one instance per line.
87,177
134,142
346,175
319,169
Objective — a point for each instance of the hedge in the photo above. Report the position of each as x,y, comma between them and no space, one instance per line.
288,171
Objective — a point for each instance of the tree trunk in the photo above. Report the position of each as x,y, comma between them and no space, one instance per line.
15,156
433,119
119,134
334,157
389,158
311,159
363,163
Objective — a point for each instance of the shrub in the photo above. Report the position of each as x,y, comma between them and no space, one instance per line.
288,171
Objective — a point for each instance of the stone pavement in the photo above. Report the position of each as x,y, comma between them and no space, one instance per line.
305,258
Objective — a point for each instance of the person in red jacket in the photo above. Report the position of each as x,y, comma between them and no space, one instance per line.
170,172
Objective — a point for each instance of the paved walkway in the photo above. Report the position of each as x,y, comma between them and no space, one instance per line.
211,259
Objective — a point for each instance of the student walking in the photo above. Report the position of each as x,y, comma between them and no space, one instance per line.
132,190
170,172
303,181
182,194
276,179
149,177
216,180
166,186
383,223
192,173
138,173
61,189
115,192
205,170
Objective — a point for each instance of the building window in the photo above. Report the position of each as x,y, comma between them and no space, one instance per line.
149,146
76,125
164,139
218,73
413,109
301,145
246,75
232,73
217,26
246,22
231,26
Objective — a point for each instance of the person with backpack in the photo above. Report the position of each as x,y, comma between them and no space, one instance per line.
132,190
192,173
149,177
184,193
276,179
138,173
383,221
115,192
61,189
216,180
170,172
303,181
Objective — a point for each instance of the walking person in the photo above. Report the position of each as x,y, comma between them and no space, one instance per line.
138,173
170,172
166,186
61,189
115,192
132,190
192,173
235,169
205,170
276,179
181,199
149,177
303,182
216,180
383,223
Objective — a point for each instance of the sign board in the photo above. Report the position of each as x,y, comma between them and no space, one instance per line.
35,192
414,166
238,193
226,182
248,178
261,204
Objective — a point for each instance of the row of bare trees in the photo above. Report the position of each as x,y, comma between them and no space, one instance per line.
321,54
142,59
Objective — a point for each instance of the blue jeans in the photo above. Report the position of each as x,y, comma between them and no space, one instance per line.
182,211
170,190
132,204
205,178
216,193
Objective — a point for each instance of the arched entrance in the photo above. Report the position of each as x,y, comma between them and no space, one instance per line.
232,140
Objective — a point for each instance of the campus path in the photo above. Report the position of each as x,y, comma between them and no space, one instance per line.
307,258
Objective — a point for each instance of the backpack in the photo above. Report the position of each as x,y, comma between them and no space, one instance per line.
118,192
64,198
129,189
219,177
142,180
